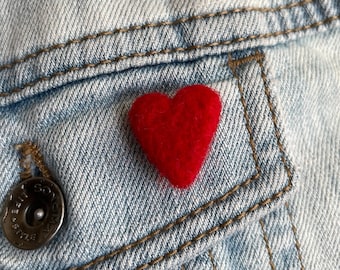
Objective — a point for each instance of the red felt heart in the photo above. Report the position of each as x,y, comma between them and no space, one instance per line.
176,133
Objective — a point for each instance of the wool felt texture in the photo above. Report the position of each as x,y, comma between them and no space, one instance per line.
176,133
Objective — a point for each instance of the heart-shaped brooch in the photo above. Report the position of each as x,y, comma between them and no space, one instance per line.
176,133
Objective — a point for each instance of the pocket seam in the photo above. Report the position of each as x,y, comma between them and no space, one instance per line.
145,26
297,242
212,259
268,248
167,51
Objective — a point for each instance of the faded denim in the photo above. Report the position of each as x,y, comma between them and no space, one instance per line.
267,196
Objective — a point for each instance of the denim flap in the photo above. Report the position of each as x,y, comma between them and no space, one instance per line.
118,206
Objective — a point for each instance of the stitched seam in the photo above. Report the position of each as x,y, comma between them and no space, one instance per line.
245,110
274,117
200,209
168,51
212,260
251,209
170,225
30,152
234,63
218,228
145,26
297,243
270,252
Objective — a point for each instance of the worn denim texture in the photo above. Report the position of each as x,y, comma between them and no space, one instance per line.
267,196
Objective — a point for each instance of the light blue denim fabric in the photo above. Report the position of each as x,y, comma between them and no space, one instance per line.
267,196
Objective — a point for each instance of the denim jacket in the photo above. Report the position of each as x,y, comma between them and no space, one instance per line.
267,195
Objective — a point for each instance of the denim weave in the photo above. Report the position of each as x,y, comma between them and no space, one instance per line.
267,195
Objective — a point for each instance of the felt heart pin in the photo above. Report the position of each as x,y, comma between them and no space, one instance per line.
176,133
